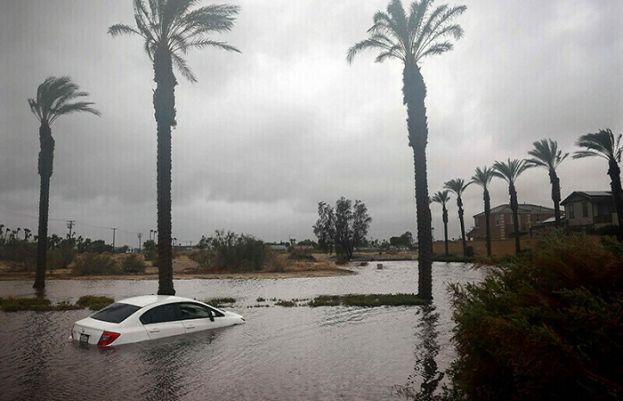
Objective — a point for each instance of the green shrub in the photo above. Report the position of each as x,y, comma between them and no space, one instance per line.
133,263
94,302
95,264
150,250
230,251
12,304
220,301
547,327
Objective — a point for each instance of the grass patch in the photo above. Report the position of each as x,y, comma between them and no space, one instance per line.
94,302
260,299
12,304
220,301
367,300
285,304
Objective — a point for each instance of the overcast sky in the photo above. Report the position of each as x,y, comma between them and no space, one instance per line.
267,134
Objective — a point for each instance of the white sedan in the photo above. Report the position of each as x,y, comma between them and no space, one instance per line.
149,317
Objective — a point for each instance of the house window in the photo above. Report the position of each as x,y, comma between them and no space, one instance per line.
571,211
584,209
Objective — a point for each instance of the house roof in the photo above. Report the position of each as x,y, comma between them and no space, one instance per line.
588,195
524,208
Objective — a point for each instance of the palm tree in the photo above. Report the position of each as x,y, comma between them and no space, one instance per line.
55,97
410,38
483,177
547,155
443,197
604,144
170,28
458,186
510,171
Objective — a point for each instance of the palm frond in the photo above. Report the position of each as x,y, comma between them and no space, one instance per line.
183,68
602,143
546,154
441,197
510,170
483,176
53,97
122,29
457,185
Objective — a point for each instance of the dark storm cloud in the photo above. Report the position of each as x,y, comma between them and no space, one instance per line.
266,134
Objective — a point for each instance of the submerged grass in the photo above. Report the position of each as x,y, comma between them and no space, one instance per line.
367,300
220,301
12,304
94,302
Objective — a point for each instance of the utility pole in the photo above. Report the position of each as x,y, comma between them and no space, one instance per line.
70,226
139,235
114,230
150,233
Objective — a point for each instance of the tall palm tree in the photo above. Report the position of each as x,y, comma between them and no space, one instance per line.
547,155
443,197
604,144
55,97
424,31
482,177
510,171
170,28
458,186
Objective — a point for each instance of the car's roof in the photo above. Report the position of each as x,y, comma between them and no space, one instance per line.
145,300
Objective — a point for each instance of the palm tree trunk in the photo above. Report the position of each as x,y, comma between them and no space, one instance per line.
553,178
487,200
46,160
514,207
617,193
459,203
445,229
414,91
164,107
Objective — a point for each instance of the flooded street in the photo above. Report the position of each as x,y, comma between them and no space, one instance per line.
299,353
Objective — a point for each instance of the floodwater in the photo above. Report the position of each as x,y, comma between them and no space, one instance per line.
299,353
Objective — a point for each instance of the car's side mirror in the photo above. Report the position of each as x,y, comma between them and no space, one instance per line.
210,315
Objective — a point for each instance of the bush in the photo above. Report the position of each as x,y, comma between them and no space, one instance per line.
95,264
133,263
149,250
231,252
300,254
546,327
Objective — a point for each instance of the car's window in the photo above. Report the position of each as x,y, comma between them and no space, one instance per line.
191,310
161,314
115,313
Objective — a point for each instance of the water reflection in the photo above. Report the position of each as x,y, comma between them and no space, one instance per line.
426,372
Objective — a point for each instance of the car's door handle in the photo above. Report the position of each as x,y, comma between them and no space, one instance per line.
154,330
190,327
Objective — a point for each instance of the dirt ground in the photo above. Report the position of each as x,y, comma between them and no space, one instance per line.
186,269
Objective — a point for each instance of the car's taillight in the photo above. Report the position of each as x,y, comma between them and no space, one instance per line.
107,338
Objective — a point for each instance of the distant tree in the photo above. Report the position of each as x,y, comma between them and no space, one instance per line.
483,177
547,155
509,171
410,37
170,28
604,144
149,249
55,97
402,241
308,242
443,197
324,229
346,226
458,186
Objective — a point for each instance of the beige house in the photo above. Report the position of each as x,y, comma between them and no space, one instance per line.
501,222
590,209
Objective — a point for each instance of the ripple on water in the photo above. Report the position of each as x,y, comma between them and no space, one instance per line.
323,353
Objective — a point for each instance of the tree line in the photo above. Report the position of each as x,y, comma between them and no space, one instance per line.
546,154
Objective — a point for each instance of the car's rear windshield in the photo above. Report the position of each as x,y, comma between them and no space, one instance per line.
115,313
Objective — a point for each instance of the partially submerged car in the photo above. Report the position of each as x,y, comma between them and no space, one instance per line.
149,317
